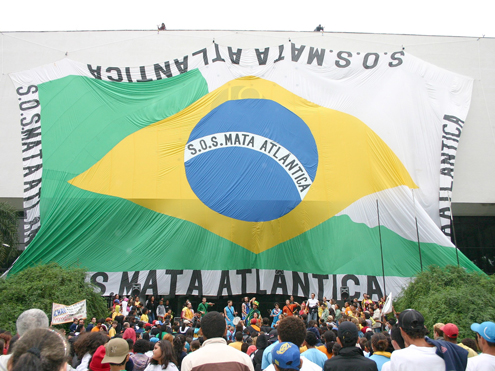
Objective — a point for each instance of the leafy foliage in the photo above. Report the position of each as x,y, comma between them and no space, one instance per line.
452,295
8,234
42,285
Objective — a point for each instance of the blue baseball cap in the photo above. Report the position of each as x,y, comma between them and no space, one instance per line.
154,339
486,330
286,355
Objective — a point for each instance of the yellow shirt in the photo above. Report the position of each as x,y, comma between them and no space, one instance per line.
188,313
237,345
471,352
144,318
112,332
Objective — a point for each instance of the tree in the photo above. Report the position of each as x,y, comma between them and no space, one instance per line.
42,285
8,235
452,295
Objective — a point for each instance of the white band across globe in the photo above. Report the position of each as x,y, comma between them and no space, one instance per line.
287,160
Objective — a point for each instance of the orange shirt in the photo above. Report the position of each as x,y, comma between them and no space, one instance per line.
289,309
323,348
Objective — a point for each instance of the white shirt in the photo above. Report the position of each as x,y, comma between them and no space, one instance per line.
482,362
306,366
84,365
170,367
415,358
312,303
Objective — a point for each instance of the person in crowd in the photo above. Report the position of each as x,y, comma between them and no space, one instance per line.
178,344
264,325
229,313
338,312
28,320
437,331
215,354
470,343
253,328
85,346
237,344
245,307
380,344
151,306
195,345
91,324
129,332
116,312
313,354
163,357
324,312
396,338
286,357
330,340
303,312
377,318
203,307
289,308
450,334
485,338
160,311
74,324
144,316
312,304
116,354
39,349
313,327
275,314
187,311
293,330
254,312
350,357
138,356
257,356
421,352
124,306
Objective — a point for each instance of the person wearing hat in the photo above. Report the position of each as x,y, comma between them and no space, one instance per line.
292,330
350,357
286,356
116,354
450,334
485,338
253,311
421,352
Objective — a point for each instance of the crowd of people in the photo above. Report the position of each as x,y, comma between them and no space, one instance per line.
309,336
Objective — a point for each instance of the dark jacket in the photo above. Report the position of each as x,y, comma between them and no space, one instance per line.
350,359
257,357
454,356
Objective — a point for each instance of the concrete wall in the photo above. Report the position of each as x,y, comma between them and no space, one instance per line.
474,170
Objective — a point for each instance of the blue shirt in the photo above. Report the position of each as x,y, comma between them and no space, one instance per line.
267,356
315,356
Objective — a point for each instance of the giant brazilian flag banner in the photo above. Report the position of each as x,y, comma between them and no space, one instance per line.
282,170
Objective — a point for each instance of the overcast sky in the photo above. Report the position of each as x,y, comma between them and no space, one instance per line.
424,17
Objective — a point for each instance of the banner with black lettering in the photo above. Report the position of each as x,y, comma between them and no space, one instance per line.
67,313
329,163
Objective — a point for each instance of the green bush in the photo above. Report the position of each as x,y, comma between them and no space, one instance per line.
452,295
42,285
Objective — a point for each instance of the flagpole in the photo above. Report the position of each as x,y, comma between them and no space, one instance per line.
381,246
453,232
417,232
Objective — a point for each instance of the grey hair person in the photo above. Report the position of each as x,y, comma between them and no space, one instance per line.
31,319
